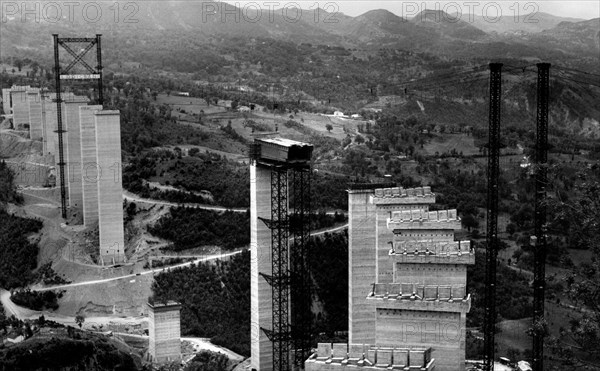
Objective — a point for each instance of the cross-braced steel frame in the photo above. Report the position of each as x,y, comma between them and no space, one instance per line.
491,254
299,261
59,74
290,278
279,226
541,180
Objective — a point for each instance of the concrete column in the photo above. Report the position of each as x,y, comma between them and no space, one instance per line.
50,123
89,165
20,107
44,128
164,330
73,150
361,267
6,101
35,115
110,187
49,127
261,312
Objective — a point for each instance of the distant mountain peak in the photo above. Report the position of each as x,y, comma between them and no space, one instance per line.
434,15
378,15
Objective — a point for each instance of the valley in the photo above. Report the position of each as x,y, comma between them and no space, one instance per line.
383,99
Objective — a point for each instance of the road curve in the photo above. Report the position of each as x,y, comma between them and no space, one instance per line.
150,271
158,270
131,197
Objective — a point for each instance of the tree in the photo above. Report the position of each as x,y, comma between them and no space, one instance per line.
208,361
79,319
234,104
329,127
469,221
582,214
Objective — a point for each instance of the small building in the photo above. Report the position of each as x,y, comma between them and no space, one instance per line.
164,330
523,366
338,114
14,338
243,109
183,94
356,116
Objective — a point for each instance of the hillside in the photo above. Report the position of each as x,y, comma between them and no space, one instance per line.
448,25
509,23
162,26
58,349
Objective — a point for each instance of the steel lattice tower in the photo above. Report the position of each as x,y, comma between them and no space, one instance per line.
541,180
299,260
493,175
287,164
279,226
60,74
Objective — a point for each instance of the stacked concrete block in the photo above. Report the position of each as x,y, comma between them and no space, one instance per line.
372,357
164,330
261,310
35,115
416,276
72,144
90,173
110,188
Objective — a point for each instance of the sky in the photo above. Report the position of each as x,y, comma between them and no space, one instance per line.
407,9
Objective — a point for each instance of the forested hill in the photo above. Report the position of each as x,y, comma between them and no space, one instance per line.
18,256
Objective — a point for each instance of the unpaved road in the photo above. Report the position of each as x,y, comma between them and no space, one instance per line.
205,344
25,313
133,275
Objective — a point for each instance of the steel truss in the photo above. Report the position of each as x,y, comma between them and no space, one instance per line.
290,279
493,174
299,261
541,180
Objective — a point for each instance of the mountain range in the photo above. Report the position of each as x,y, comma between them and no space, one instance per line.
540,35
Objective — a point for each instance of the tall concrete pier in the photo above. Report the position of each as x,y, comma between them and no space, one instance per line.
34,102
20,106
361,267
261,313
110,187
90,173
73,150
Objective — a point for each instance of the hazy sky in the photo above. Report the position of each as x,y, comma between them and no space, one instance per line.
566,8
